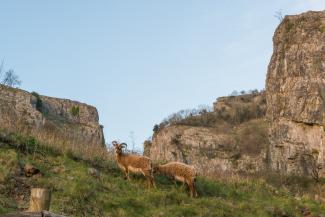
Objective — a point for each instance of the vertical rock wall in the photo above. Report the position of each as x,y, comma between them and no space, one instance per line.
295,91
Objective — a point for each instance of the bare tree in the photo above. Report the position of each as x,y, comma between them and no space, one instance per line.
255,91
132,139
1,69
11,79
234,93
279,15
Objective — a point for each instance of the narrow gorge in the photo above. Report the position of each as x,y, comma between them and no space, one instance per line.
280,128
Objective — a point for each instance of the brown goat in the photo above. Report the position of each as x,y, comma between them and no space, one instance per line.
133,163
180,172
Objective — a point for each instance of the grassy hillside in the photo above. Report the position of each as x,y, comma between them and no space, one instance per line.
76,193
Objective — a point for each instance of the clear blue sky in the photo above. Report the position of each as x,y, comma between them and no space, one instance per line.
138,61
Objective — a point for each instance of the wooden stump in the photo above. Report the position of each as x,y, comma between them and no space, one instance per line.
40,199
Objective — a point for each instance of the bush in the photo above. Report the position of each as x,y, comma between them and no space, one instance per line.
39,103
156,128
252,137
236,110
10,78
75,111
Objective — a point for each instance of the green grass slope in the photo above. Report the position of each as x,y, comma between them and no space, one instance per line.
76,193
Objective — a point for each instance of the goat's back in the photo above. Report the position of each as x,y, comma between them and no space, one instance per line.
136,161
178,169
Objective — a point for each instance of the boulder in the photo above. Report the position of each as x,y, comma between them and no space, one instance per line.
31,170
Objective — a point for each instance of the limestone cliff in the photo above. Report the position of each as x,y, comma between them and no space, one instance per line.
295,95
232,139
295,88
53,121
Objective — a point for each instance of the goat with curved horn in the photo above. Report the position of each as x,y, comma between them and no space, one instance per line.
124,145
133,163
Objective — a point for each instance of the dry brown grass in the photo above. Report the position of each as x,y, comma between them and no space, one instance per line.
51,141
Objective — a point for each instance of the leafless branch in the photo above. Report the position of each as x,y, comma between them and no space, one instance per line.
279,15
1,69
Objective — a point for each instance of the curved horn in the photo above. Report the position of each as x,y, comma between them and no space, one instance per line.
114,143
123,144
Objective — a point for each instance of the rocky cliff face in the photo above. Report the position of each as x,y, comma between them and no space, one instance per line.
220,148
226,139
212,153
54,121
295,90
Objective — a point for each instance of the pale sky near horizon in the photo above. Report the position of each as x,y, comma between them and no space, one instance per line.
139,61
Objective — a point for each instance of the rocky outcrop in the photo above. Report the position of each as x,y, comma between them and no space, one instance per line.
249,101
212,153
53,121
295,90
221,148
243,107
295,112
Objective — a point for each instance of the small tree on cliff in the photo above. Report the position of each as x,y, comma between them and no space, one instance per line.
9,78
1,69
279,15
156,128
234,93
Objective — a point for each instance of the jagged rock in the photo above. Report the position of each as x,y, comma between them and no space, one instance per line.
295,90
214,151
50,120
250,102
295,94
30,170
208,151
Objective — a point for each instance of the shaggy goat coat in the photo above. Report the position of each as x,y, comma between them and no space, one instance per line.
180,172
